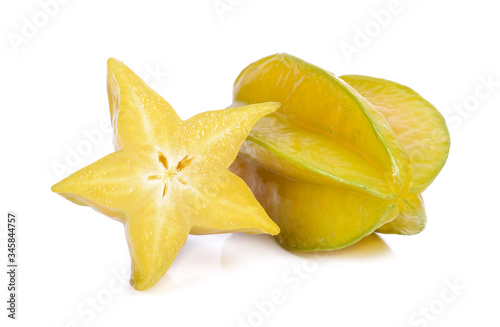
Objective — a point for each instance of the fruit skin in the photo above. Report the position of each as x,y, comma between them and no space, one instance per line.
293,204
342,157
422,132
168,177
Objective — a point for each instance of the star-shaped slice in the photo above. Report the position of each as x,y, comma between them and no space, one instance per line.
168,177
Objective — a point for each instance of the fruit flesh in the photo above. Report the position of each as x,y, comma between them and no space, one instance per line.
168,177
327,143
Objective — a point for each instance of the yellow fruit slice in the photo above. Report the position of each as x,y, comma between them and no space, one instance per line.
169,177
135,110
331,166
419,128
226,198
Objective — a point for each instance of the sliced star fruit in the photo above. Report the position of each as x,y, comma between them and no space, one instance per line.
168,177
342,157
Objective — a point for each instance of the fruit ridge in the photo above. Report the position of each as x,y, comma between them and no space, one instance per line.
342,157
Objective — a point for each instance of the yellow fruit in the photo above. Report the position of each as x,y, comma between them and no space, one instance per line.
342,157
168,177
422,132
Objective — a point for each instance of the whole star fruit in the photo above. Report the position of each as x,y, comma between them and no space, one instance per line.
168,178
342,157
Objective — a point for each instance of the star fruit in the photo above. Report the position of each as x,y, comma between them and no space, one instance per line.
168,178
342,157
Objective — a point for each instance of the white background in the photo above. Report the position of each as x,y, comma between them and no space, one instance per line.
53,92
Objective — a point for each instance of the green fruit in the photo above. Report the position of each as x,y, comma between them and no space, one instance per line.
342,157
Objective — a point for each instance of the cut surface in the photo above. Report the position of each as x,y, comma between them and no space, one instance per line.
169,177
134,106
224,204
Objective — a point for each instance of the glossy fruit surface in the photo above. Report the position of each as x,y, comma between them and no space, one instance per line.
342,157
168,177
